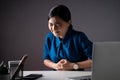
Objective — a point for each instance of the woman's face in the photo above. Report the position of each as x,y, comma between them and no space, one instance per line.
58,26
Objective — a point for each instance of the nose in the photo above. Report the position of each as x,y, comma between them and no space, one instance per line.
54,27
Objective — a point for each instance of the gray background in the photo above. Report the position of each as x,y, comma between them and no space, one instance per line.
23,25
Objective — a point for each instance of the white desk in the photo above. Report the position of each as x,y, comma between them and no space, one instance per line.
58,75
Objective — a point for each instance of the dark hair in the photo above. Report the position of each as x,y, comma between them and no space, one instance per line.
61,11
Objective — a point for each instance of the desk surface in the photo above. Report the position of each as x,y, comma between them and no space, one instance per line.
58,75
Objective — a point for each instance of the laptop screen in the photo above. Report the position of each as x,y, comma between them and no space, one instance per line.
106,61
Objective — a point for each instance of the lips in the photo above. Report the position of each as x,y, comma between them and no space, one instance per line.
57,32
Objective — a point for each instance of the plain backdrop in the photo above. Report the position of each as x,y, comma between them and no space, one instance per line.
23,25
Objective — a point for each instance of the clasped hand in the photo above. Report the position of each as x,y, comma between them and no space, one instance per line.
64,65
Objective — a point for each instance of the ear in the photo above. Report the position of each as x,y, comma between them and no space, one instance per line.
69,21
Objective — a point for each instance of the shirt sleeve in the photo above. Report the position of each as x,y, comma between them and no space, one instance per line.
87,46
46,47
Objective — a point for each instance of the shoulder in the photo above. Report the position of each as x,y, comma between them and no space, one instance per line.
78,33
49,36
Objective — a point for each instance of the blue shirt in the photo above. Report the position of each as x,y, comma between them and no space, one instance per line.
75,47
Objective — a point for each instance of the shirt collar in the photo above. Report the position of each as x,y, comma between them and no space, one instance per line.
68,34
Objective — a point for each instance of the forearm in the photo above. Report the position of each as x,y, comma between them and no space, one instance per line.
49,64
85,64
69,66
61,65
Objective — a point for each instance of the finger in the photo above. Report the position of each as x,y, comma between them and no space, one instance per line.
63,61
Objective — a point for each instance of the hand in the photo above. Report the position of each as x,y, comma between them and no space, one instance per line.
64,65
58,66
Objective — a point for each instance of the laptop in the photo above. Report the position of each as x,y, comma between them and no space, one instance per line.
106,61
86,77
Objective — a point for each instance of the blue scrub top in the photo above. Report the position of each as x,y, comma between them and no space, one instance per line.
75,47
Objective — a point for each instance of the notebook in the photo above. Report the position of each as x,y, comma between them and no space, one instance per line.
106,61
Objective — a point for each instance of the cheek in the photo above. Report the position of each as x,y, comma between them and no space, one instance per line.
50,28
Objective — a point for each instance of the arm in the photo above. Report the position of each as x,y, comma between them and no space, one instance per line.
66,65
49,64
61,65
52,65
85,64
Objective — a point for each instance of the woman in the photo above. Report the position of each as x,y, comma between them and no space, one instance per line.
65,48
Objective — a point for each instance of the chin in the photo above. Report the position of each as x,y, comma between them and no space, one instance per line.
56,35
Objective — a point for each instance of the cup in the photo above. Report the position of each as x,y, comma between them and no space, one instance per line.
12,65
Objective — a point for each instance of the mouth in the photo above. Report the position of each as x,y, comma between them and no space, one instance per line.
57,32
